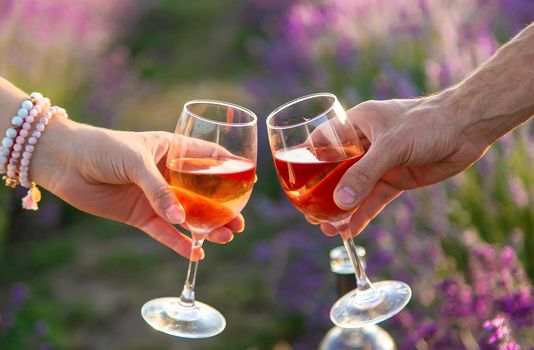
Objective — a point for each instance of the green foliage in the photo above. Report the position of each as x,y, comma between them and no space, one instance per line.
487,202
186,40
125,265
80,313
176,41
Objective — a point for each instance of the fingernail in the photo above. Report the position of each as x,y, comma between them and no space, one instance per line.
346,196
175,214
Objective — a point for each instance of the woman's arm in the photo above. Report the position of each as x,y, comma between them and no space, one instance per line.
108,173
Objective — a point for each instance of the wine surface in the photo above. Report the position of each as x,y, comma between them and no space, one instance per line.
212,191
310,175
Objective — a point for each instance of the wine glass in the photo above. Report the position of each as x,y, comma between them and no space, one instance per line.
313,143
370,337
211,169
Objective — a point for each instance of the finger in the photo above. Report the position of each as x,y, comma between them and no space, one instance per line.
328,229
190,147
217,236
338,132
220,235
361,178
380,196
237,224
160,194
312,220
167,234
351,128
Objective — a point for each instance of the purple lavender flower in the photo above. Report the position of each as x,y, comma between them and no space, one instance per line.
18,293
520,13
81,32
519,305
45,346
458,302
395,49
518,193
263,252
41,328
498,335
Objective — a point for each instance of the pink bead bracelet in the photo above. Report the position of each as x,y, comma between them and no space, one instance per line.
32,142
20,142
41,104
34,195
8,142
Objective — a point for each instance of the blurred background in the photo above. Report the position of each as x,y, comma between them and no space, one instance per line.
71,281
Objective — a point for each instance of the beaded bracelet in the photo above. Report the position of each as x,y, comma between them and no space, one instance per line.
34,195
32,142
30,146
15,142
41,104
12,132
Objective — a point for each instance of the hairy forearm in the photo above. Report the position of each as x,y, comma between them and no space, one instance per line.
499,95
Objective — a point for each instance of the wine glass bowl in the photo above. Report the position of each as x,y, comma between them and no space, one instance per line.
313,144
311,139
211,169
216,176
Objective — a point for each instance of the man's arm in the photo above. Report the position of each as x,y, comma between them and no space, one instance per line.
499,95
422,141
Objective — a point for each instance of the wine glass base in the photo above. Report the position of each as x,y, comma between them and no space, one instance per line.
357,309
168,316
364,338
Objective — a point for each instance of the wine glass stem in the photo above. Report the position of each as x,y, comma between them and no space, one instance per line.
362,282
187,298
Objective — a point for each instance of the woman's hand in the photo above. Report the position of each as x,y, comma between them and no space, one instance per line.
413,143
116,175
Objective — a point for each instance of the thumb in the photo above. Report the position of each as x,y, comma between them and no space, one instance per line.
362,177
160,195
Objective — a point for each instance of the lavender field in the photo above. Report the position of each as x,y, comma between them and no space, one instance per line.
466,246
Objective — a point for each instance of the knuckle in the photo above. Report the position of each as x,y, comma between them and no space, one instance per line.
367,109
398,146
161,136
155,142
369,105
388,150
359,179
359,174
161,192
138,167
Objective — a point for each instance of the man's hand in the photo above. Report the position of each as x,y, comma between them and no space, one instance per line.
413,143
419,142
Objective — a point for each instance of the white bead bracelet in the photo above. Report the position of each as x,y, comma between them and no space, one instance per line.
19,144
41,104
8,142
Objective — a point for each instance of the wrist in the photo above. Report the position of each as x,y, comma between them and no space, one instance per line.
55,152
460,108
480,119
441,118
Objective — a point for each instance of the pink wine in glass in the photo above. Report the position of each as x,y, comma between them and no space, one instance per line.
314,143
212,191
310,175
